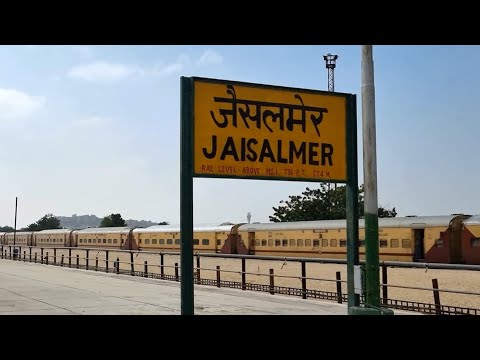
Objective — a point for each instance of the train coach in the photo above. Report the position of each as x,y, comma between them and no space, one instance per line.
471,240
426,238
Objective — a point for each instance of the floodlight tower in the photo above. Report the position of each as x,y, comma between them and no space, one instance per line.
331,63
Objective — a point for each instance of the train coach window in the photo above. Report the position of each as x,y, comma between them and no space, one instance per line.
219,242
177,241
169,241
333,242
270,242
264,242
115,241
196,241
406,243
361,242
292,242
383,243
161,241
154,241
325,242
343,243
104,241
439,243
89,241
285,242
394,243
308,242
277,242
205,242
475,242
147,241
109,241
316,242
257,242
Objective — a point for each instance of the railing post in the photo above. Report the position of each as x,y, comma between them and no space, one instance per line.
78,261
41,255
145,271
54,256
69,257
244,275
176,271
35,257
24,255
96,263
106,261
162,271
384,286
30,254
86,259
118,265
198,269
132,267
62,261
339,287
46,259
218,276
436,297
304,280
272,284
10,251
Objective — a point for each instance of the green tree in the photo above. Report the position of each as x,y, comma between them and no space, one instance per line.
6,229
113,220
321,204
163,223
47,222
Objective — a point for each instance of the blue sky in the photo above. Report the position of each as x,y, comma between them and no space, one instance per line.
95,129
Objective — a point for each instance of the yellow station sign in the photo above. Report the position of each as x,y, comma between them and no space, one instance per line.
259,131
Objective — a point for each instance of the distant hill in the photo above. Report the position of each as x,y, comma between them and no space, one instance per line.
85,221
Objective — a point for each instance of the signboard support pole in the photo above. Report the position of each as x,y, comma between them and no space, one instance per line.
352,202
186,196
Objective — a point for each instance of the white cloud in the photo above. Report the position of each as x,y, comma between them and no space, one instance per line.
104,71
210,57
17,104
172,67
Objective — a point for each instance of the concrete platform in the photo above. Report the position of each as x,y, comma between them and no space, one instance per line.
36,289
